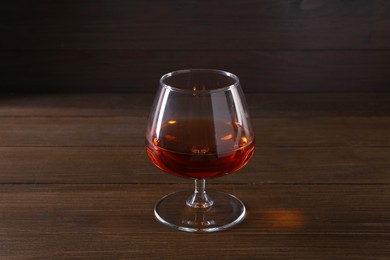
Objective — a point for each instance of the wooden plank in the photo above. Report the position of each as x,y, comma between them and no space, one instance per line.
131,165
130,131
318,104
116,131
76,105
139,71
195,25
323,131
304,221
87,245
138,104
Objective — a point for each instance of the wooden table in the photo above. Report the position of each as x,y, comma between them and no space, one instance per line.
76,183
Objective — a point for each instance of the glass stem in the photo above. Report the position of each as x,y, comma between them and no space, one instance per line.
200,199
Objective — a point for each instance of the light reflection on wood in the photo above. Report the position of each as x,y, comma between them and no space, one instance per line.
284,219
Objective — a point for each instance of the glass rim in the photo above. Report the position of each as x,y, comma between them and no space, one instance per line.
212,71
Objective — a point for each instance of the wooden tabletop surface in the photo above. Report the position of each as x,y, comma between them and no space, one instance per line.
76,182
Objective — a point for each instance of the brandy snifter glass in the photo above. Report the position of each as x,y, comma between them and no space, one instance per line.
199,128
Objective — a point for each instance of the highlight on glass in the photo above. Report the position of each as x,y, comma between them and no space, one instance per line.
199,128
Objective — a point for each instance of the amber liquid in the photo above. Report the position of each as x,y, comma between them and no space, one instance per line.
201,148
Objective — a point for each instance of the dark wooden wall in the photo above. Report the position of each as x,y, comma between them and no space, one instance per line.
124,45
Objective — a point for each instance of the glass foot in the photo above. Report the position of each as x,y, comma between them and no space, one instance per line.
225,212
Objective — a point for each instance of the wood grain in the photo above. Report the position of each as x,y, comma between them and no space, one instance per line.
178,246
140,71
75,181
131,165
194,25
130,131
100,221
138,104
99,138
82,104
122,46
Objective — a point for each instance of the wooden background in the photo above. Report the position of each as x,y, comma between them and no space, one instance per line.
75,181
125,46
